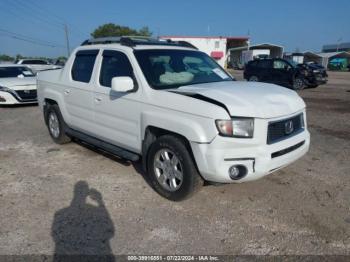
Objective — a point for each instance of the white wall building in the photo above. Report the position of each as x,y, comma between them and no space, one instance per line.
216,47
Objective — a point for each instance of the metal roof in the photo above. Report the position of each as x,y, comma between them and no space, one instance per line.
267,45
331,54
336,46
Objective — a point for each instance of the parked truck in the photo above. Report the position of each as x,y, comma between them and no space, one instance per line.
174,108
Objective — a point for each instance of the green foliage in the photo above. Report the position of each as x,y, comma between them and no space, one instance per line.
6,58
62,58
111,29
18,56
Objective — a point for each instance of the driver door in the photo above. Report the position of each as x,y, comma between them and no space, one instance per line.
282,73
116,114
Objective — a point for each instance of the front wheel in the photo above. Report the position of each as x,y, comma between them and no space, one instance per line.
171,169
298,83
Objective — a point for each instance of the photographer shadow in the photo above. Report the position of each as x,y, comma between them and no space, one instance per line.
82,231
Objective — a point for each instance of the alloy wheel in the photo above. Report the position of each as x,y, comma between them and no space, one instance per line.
168,169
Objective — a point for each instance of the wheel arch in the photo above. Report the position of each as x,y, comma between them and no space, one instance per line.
53,97
152,133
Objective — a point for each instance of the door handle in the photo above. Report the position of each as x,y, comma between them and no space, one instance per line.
66,91
98,99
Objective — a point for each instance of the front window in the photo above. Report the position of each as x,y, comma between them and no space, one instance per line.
114,64
166,69
280,64
34,62
15,71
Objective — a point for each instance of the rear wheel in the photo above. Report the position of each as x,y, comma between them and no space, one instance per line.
298,83
56,125
171,169
253,79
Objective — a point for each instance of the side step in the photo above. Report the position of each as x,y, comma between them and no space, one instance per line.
115,150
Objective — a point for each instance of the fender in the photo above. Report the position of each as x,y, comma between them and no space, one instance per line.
194,128
53,92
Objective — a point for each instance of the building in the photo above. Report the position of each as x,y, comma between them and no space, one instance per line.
243,54
341,47
215,46
330,60
295,57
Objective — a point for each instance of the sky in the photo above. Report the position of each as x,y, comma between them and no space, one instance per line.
305,25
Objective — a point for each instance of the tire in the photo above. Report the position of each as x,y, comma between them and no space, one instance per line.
56,125
298,83
253,79
165,171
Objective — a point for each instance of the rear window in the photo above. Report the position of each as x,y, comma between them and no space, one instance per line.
15,71
264,64
83,65
253,63
34,62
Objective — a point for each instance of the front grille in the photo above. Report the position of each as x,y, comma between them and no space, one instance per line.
26,95
287,150
285,128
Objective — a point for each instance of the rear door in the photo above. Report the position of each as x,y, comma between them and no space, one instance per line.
78,94
264,70
282,72
116,115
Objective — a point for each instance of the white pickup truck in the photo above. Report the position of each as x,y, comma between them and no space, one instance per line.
176,108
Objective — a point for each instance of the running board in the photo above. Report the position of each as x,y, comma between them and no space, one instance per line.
115,150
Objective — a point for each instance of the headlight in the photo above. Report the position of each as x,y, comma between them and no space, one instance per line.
236,127
316,71
5,89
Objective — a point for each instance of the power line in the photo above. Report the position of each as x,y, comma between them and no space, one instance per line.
12,14
62,21
20,8
33,6
30,39
35,15
27,12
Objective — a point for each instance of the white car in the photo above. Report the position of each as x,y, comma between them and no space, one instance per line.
37,64
17,85
175,108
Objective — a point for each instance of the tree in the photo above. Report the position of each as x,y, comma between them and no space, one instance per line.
6,58
18,56
111,29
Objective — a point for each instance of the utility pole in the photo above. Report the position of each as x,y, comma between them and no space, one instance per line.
338,43
67,39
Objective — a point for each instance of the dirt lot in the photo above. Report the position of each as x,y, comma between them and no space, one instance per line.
302,209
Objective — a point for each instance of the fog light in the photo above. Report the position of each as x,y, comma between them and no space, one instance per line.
237,172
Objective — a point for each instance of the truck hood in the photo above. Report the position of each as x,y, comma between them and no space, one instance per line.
247,99
17,83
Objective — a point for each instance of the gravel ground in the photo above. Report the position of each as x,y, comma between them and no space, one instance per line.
74,199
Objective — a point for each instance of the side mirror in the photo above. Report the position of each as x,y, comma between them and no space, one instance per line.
122,84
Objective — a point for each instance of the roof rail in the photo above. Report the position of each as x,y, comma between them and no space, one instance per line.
132,41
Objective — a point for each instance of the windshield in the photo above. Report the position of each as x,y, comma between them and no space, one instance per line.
15,71
166,69
293,63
